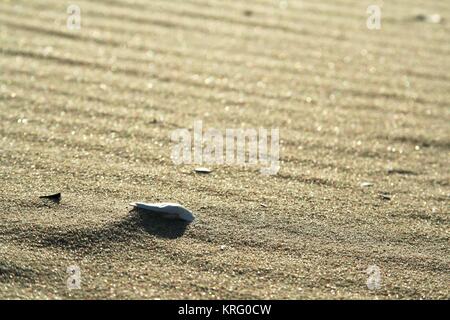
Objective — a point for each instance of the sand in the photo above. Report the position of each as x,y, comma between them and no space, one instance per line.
89,113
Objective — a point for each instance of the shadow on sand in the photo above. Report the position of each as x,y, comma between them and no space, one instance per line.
157,226
134,226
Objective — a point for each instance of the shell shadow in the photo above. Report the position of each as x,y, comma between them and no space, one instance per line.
91,239
158,226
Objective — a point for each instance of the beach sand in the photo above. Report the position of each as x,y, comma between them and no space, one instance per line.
90,112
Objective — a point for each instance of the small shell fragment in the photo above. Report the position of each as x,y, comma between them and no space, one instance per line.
400,171
166,210
366,184
202,170
56,197
385,196
430,18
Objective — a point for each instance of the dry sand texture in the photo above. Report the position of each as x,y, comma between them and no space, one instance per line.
89,113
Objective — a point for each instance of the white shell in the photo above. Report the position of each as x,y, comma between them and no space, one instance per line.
366,184
167,210
202,170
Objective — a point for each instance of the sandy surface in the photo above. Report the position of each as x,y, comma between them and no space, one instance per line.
89,113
